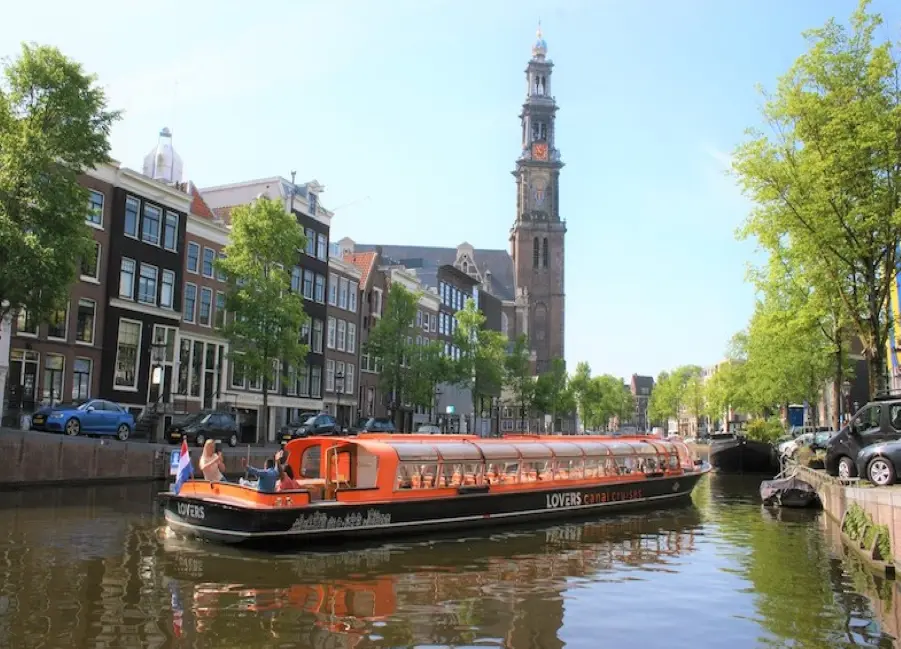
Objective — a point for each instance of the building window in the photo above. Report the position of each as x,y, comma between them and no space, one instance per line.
317,336
127,279
127,346
57,324
333,290
190,302
308,284
544,253
54,367
349,379
206,306
84,327
342,335
305,333
25,324
81,379
130,227
170,235
313,203
322,247
220,274
377,302
238,378
220,309
303,381
316,382
330,341
291,380
352,290
296,279
311,242
329,376
351,338
150,224
209,255
167,289
535,252
342,293
147,284
193,257
320,289
90,266
95,208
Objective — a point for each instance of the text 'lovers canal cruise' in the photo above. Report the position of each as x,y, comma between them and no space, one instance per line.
376,485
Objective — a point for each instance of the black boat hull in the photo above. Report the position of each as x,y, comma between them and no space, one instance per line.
743,456
332,523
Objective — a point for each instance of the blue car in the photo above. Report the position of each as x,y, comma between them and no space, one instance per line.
91,417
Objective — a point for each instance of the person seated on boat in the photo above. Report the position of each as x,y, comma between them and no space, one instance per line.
287,482
212,466
267,478
404,481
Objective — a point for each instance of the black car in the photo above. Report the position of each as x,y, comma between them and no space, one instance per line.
378,425
879,463
204,425
321,424
876,423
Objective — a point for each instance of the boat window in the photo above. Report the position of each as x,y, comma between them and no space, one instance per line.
413,452
502,471
673,461
310,463
564,449
592,466
593,448
367,469
458,452
620,448
405,472
569,468
535,470
533,450
648,463
456,474
496,451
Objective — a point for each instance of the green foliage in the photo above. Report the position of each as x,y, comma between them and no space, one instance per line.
855,523
553,395
672,392
427,368
883,547
54,125
482,354
264,332
518,374
390,340
824,181
600,398
726,388
764,430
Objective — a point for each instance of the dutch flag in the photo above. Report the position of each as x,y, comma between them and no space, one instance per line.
185,470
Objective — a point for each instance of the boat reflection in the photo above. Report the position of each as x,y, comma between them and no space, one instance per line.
506,586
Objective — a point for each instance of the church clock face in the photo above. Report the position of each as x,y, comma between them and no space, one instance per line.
539,151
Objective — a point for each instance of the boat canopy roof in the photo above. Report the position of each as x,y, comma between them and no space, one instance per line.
422,449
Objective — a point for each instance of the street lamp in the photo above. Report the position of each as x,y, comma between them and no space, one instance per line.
339,388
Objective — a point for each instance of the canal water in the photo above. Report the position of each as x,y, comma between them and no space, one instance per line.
93,568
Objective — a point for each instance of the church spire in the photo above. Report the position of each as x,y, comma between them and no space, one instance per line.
539,49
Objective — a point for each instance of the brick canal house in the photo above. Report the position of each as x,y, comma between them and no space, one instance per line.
342,339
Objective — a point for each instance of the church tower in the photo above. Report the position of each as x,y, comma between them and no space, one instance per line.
537,235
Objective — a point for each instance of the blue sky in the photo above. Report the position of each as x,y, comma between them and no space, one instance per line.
406,110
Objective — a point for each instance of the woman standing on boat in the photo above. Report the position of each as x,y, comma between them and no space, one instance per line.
211,464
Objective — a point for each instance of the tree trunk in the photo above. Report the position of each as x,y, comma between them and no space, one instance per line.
837,383
264,427
876,370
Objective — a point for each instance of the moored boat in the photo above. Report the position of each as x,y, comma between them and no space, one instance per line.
376,485
738,454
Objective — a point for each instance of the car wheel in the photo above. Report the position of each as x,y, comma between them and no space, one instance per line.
845,468
200,439
881,472
233,440
122,432
73,427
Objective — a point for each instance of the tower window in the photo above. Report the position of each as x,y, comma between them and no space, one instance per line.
544,253
535,253
539,131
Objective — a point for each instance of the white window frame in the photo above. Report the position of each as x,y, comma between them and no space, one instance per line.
95,278
208,291
23,332
193,244
342,293
353,291
162,282
351,338
341,336
159,230
332,289
137,233
76,397
316,388
349,378
329,375
317,348
231,376
310,236
331,332
86,343
317,295
377,307
134,387
91,223
212,274
321,247
193,313
308,273
134,276
65,335
166,218
156,284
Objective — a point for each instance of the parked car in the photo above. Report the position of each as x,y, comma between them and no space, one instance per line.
378,425
357,426
321,424
206,424
877,422
879,463
429,429
286,431
89,417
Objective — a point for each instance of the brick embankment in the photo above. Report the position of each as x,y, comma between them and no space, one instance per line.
883,504
32,458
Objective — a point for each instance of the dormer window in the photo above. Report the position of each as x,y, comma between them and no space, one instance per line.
313,203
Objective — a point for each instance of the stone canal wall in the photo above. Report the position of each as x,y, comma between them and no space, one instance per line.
883,504
32,458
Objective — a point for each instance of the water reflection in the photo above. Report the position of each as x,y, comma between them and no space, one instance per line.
94,568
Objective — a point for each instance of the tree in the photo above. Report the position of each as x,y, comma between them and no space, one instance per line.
389,341
428,367
54,126
482,353
582,389
725,390
670,393
826,180
264,332
518,375
553,395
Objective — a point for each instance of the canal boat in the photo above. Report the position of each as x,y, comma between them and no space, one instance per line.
375,485
730,453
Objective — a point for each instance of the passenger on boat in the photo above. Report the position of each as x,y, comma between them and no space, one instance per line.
267,478
211,463
287,481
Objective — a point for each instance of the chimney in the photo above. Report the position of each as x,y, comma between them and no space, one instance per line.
378,252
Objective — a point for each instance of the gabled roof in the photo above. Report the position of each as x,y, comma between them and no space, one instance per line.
365,261
199,206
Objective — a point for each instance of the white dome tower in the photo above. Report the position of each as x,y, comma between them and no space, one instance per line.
163,163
